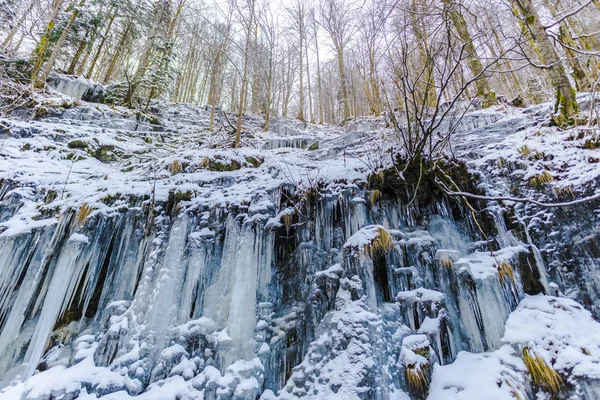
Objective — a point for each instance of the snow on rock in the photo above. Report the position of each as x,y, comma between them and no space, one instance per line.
498,375
561,331
143,257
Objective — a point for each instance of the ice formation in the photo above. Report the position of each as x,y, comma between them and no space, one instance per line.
143,259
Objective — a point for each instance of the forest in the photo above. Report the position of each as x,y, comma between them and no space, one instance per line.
290,199
324,61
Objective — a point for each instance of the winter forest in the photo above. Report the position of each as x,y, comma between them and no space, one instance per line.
284,199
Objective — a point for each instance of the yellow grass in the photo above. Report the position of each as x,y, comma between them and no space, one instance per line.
540,180
287,220
505,271
176,167
417,381
541,373
382,243
445,261
375,197
83,213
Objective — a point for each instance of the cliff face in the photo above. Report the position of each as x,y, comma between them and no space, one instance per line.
143,258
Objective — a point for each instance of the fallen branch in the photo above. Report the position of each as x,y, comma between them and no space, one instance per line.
522,200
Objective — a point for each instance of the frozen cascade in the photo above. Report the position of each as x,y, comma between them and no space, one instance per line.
223,294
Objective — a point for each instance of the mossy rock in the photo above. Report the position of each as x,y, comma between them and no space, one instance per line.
105,154
41,112
254,161
78,144
219,164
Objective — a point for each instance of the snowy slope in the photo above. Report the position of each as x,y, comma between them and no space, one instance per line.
147,259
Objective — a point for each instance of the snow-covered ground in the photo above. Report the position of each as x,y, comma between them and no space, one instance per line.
453,321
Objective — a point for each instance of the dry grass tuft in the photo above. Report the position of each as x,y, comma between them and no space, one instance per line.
287,221
540,180
176,167
563,192
375,197
505,271
417,381
205,162
541,373
501,163
379,178
382,243
446,261
524,150
83,213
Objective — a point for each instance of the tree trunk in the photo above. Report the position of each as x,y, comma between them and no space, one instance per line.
319,79
15,28
310,103
40,54
59,43
118,51
343,89
82,45
100,47
244,84
301,88
566,103
484,92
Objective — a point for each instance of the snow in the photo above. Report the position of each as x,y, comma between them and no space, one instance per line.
497,375
198,309
560,330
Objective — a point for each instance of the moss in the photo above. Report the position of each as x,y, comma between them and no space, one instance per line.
105,153
564,111
592,144
50,196
78,144
524,150
219,164
41,112
26,146
180,196
254,161
314,146
151,118
109,200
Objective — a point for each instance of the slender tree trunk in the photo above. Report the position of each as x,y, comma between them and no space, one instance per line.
118,51
15,28
301,88
244,84
310,103
319,88
82,45
100,46
343,89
